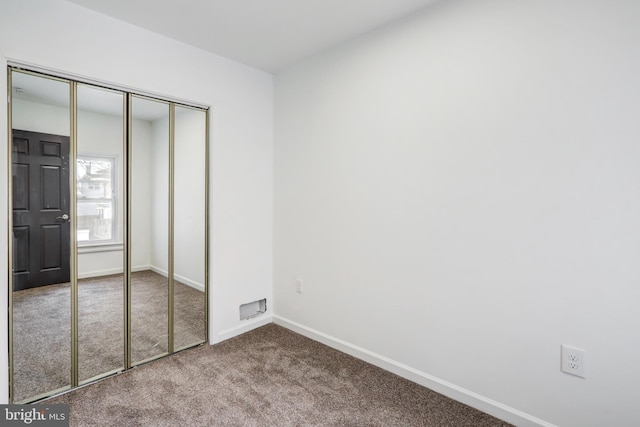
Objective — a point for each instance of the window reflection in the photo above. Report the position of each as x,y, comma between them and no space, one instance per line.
96,199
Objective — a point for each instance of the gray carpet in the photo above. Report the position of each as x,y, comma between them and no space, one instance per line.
42,328
267,377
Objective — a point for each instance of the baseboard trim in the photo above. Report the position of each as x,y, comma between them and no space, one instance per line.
244,327
100,273
159,270
179,278
144,267
448,389
190,282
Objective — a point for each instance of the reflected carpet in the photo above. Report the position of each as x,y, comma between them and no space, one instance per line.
42,333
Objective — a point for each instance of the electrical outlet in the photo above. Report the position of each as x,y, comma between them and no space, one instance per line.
572,360
299,286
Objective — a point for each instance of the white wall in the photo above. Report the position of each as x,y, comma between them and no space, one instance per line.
62,36
38,117
460,194
142,239
189,204
159,180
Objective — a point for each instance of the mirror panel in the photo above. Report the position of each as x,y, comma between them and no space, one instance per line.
149,210
41,296
100,216
142,189
189,226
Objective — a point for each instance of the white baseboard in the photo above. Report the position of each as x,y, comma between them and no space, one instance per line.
137,268
99,273
189,282
159,270
244,327
448,389
179,278
108,272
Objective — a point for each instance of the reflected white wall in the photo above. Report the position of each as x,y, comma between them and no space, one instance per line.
38,117
189,196
159,195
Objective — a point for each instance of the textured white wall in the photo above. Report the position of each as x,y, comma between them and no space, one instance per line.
459,193
62,36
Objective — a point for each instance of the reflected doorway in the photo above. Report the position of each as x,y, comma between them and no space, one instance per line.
41,209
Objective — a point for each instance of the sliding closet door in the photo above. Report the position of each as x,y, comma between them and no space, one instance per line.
40,230
149,236
189,226
100,194
109,232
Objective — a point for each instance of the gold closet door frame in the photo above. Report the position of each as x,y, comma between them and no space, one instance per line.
128,93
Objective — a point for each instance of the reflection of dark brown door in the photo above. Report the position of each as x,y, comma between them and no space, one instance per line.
40,209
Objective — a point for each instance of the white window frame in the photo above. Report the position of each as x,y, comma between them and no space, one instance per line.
113,244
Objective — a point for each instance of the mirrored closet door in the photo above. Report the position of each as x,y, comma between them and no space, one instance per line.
109,226
189,226
149,202
41,239
99,222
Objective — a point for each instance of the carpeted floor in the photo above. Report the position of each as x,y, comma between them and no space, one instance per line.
267,377
42,354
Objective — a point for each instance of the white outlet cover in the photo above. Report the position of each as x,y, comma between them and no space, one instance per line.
572,360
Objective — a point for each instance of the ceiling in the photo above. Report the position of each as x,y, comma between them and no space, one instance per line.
265,34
